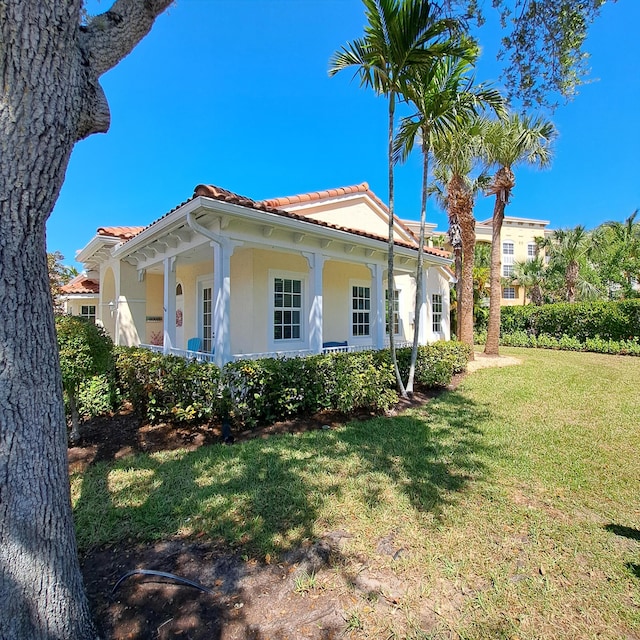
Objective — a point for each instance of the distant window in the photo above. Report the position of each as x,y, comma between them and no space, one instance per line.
532,251
287,309
360,311
436,305
395,312
509,293
88,311
178,289
507,258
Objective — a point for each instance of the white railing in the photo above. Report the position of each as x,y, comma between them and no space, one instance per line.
284,355
202,356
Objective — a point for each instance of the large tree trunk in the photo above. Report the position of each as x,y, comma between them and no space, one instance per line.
503,182
461,204
50,98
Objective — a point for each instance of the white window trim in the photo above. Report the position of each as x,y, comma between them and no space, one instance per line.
515,294
302,341
361,339
439,313
399,332
203,282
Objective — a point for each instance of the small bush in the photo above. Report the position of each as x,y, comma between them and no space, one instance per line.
98,396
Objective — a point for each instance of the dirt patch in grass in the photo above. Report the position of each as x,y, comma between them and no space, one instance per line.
314,592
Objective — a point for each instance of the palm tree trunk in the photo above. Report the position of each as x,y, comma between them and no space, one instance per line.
503,183
492,346
419,274
461,202
390,279
571,279
457,252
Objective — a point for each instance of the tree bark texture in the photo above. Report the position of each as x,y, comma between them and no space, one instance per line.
461,207
50,98
503,183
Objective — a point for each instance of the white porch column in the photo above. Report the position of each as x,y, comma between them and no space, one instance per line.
316,264
222,250
169,304
378,312
424,330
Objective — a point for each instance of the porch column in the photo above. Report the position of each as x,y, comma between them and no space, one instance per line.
222,250
169,304
378,312
316,264
424,330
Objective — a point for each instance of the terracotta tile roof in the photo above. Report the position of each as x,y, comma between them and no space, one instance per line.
123,233
321,195
218,193
81,284
211,191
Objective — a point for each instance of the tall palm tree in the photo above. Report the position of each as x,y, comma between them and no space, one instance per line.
445,97
456,154
510,142
399,35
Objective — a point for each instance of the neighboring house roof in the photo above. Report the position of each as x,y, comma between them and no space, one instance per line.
81,284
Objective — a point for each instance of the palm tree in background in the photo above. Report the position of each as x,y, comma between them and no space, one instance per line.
568,250
507,143
399,35
456,154
445,98
617,251
531,276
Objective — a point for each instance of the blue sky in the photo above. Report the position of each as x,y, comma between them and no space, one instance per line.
236,93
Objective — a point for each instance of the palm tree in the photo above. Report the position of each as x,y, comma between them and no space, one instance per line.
507,143
568,250
530,275
445,97
399,35
456,153
617,250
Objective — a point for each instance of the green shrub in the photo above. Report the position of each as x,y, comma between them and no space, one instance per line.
610,320
436,362
85,350
168,387
97,396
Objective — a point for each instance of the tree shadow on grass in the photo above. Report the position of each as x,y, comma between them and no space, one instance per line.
264,497
625,532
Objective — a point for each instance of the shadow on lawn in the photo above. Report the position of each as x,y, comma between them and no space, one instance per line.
264,496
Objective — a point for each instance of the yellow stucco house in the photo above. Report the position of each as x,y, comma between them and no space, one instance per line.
232,277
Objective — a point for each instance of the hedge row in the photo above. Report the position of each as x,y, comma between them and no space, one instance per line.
568,343
609,320
252,392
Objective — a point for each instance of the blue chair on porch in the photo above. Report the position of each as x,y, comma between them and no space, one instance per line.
194,344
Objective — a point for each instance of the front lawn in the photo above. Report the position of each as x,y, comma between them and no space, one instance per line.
505,509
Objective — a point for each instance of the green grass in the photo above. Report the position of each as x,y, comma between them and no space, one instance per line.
514,500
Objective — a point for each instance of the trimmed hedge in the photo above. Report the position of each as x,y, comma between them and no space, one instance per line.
168,388
616,320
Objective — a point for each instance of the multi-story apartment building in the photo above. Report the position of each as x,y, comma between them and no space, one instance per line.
518,244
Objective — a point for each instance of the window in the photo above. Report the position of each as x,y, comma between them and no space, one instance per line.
532,251
207,319
509,293
287,309
360,310
395,312
88,311
436,308
507,259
